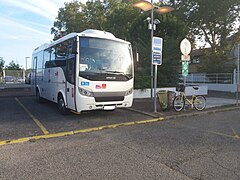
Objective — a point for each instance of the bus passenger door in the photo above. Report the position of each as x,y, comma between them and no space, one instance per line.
70,83
46,73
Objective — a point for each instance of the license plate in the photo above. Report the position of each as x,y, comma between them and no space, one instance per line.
109,107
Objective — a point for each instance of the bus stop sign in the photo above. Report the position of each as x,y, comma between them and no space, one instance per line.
185,47
157,51
157,58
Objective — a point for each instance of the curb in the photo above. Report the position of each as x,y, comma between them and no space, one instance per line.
182,115
142,112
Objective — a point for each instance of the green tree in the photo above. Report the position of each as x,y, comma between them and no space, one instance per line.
2,62
213,22
126,22
76,17
70,19
13,66
172,29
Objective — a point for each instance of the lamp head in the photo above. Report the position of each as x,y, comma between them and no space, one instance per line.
164,9
144,5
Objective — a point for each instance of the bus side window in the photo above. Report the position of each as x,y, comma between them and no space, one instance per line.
61,54
39,65
46,55
53,57
71,70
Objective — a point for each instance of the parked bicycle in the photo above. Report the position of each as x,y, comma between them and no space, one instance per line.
196,101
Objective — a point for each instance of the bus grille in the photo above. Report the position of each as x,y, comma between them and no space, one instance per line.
109,98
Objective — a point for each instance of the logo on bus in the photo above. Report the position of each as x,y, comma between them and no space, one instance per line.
110,77
103,86
84,83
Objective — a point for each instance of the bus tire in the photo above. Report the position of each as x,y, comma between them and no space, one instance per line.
61,105
39,98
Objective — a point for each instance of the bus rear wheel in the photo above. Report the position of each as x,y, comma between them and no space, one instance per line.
39,98
61,105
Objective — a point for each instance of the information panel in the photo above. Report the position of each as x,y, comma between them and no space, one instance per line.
157,51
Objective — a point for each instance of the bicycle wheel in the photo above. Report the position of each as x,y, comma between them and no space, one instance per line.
199,103
178,103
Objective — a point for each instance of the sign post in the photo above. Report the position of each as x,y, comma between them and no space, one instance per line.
156,60
185,47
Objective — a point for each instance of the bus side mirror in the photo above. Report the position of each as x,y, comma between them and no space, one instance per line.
74,47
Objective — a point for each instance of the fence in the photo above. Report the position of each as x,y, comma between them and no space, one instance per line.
213,78
13,76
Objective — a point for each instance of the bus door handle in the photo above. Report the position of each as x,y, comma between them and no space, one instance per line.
67,89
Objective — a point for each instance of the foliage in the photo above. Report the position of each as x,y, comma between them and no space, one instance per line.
142,78
214,23
126,22
172,30
215,63
13,66
2,62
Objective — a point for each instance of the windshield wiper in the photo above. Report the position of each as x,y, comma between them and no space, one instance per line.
119,73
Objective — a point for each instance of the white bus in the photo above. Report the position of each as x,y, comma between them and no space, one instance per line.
84,71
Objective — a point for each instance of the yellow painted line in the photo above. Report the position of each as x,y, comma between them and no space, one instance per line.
226,135
74,112
14,141
61,134
150,121
39,124
235,134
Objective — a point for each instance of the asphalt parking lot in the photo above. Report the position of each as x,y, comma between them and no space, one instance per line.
22,118
25,117
122,144
113,145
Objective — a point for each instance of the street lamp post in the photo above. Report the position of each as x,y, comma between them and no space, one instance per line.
237,76
26,58
24,72
152,29
146,6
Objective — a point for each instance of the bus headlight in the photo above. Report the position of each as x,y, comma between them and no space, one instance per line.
128,92
85,92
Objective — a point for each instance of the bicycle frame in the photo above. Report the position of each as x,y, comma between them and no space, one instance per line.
189,101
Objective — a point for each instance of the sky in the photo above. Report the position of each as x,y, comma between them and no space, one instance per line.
25,25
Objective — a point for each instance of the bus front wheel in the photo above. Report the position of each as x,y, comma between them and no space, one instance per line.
61,105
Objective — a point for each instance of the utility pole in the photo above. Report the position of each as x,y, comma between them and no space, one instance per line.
26,58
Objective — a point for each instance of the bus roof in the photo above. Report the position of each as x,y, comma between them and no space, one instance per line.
86,33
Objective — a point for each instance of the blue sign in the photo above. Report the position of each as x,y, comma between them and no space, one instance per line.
157,58
84,83
157,44
157,50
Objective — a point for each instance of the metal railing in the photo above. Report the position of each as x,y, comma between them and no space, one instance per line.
211,78
12,76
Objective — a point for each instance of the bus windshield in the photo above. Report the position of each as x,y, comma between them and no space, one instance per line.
102,59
